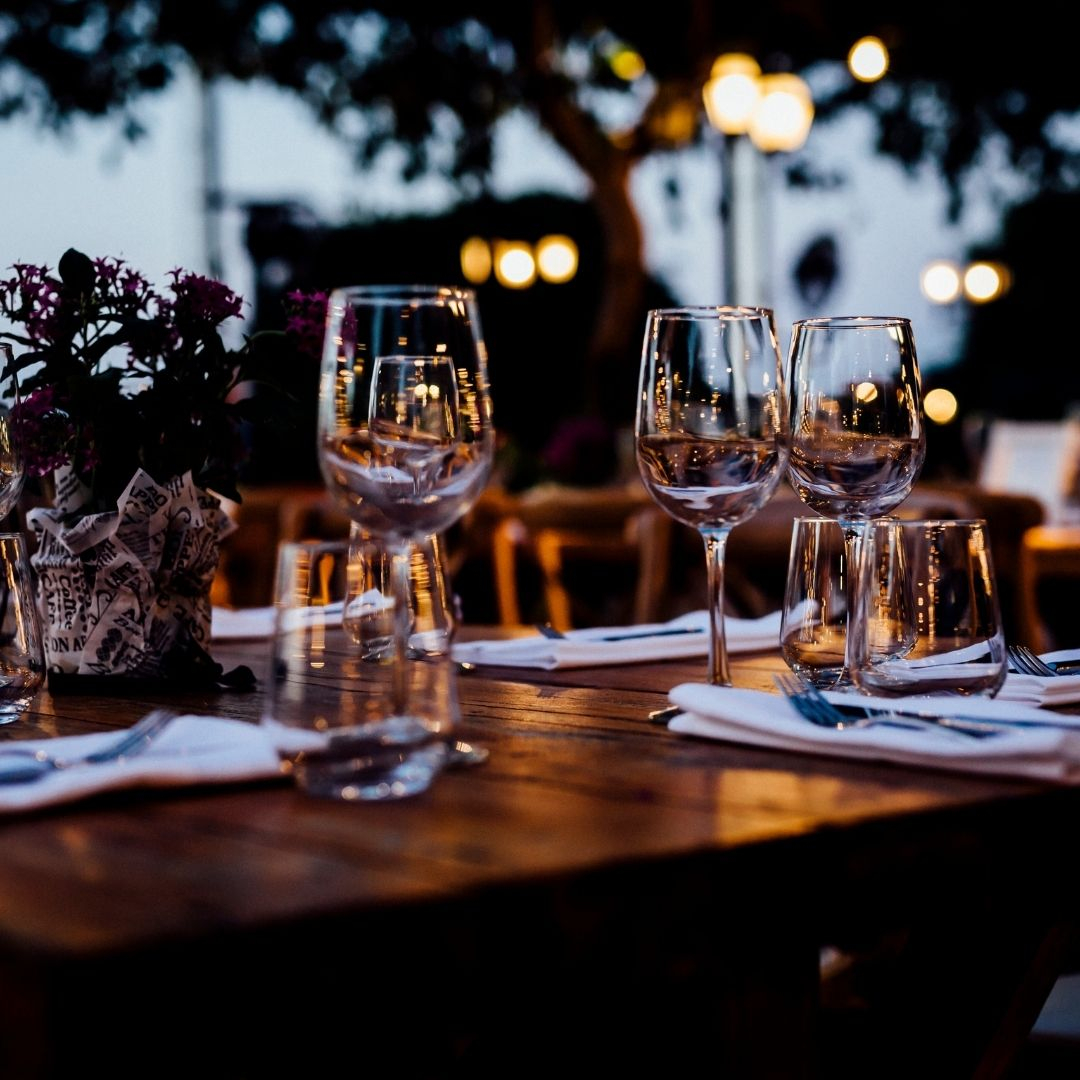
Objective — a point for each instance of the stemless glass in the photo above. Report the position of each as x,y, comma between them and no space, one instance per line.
22,656
814,619
406,442
11,464
942,571
711,425
858,438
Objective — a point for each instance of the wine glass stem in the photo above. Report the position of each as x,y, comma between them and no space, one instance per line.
854,532
715,544
401,584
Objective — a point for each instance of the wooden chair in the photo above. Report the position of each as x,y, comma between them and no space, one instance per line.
573,537
1049,555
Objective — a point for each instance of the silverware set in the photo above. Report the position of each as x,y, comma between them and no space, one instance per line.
812,705
23,766
1027,662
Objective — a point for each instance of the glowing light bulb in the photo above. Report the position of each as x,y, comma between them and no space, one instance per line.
868,59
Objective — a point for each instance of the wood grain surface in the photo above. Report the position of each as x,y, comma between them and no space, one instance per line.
600,887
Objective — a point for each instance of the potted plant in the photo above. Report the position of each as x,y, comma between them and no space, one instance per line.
132,411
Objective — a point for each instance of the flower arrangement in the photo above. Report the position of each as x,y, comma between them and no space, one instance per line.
133,407
116,376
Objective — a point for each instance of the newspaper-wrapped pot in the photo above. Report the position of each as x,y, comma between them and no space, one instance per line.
127,591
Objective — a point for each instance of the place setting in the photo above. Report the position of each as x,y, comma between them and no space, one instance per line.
891,626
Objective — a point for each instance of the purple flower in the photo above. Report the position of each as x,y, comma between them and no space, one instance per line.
170,409
306,321
45,431
201,299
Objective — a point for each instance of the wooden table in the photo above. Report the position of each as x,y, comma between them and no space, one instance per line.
602,895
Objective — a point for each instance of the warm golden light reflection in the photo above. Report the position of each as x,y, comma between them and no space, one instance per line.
515,267
984,281
866,392
627,63
732,93
675,124
940,282
784,115
940,405
476,260
868,59
557,259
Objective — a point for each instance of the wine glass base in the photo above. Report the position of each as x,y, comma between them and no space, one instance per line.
367,772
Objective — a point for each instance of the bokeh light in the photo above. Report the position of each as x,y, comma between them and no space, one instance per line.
732,93
476,260
940,405
940,282
626,63
984,281
556,259
784,114
868,59
515,267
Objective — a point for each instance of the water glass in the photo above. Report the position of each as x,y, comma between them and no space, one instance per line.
814,617
333,707
22,657
369,609
944,574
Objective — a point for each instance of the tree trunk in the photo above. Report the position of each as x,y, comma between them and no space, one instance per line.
613,355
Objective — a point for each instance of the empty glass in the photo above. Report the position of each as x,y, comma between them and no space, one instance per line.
813,625
944,573
332,706
11,464
22,657
369,610
711,430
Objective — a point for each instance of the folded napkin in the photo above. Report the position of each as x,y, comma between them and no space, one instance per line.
191,750
1043,689
760,718
251,624
241,624
682,637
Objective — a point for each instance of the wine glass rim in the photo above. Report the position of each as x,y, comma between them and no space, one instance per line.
859,322
398,294
713,311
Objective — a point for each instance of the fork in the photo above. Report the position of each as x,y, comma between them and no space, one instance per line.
815,707
39,763
1027,662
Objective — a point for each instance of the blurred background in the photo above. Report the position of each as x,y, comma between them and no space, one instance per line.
579,164
284,145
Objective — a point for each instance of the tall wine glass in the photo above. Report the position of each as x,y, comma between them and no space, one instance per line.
858,437
11,463
406,442
711,424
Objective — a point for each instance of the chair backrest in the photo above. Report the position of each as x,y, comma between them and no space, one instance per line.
586,545
1037,458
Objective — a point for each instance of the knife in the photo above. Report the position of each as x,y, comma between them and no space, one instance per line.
972,723
1064,667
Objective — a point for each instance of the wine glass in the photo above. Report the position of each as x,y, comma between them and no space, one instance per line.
11,463
858,437
406,442
710,436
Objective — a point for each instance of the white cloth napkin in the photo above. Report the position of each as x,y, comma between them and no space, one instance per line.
191,750
760,718
631,644
1043,689
241,624
252,624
